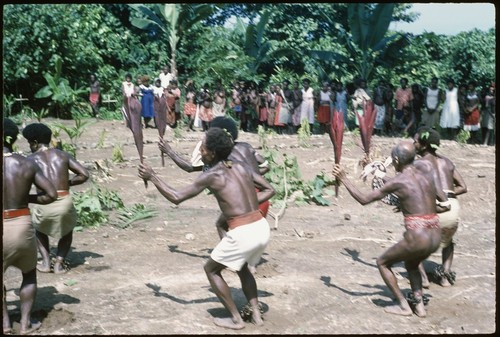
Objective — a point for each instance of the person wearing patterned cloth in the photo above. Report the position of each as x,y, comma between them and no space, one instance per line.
190,104
233,185
95,92
18,239
426,143
324,99
417,193
58,219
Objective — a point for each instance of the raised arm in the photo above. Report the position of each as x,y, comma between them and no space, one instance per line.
178,160
170,193
363,199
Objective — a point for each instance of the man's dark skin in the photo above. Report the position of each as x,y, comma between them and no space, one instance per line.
56,165
242,151
233,185
417,195
19,173
451,180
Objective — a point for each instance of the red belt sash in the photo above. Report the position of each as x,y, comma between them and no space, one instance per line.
14,213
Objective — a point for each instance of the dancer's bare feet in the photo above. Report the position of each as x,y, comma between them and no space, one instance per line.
399,310
444,282
257,317
420,310
59,267
32,326
43,267
229,323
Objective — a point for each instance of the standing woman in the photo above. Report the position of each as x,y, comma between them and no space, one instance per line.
488,117
297,103
190,104
418,103
147,102
323,111
128,92
471,117
341,99
95,92
450,116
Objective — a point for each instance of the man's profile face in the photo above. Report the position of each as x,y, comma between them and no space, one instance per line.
418,147
33,146
207,156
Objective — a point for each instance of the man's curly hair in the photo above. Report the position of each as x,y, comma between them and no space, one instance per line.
428,138
38,132
220,142
227,123
10,131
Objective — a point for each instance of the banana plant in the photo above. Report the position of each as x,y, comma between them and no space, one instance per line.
173,20
64,99
260,50
366,41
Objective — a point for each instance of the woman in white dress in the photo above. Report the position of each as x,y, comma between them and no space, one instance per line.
450,116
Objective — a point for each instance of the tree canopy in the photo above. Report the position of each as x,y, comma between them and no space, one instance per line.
258,42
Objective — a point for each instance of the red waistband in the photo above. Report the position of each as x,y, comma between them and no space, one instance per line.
14,213
62,193
422,221
244,219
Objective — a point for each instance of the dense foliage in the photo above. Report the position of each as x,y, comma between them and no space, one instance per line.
267,42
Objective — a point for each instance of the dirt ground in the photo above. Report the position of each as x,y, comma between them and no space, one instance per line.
317,276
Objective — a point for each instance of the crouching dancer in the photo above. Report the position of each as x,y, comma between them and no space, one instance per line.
417,193
233,183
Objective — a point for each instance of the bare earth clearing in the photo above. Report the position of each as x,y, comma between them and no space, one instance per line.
318,275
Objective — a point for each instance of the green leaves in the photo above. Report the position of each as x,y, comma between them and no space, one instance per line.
93,204
128,215
288,168
369,23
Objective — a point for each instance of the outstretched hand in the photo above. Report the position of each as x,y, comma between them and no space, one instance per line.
164,146
145,171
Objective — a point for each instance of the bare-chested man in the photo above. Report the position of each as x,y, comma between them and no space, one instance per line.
426,143
233,185
59,218
242,151
417,196
19,243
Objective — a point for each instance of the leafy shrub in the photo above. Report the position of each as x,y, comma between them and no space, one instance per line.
93,206
117,155
285,177
304,133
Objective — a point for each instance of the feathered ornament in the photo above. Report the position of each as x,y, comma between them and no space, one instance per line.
336,133
132,112
160,107
366,124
